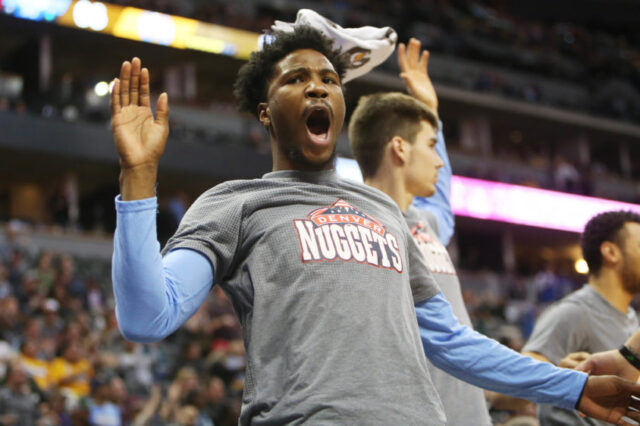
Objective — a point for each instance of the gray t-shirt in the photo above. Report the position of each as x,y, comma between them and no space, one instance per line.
582,321
464,404
318,272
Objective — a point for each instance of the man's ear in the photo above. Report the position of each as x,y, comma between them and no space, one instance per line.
264,114
399,149
611,253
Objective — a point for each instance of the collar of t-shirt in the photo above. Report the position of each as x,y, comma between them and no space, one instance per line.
300,176
631,313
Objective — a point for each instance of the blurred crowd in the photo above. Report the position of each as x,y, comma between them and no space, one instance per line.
63,361
606,64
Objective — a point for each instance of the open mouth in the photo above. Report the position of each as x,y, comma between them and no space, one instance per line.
318,122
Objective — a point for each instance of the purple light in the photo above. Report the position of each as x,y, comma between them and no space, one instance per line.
527,206
521,205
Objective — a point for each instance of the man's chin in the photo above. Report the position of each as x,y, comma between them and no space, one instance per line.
311,161
427,192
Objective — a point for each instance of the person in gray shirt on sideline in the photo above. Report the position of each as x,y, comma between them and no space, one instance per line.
598,317
335,302
403,171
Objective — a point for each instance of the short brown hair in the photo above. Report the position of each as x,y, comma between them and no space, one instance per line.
380,117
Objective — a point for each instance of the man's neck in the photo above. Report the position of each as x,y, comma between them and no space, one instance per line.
608,284
393,187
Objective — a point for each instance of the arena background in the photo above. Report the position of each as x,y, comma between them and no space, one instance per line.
540,103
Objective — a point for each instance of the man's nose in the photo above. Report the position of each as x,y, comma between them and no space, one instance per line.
316,89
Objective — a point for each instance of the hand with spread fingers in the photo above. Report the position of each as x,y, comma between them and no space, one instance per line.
139,137
610,398
414,73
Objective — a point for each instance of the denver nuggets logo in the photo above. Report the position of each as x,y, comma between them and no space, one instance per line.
342,232
435,254
357,56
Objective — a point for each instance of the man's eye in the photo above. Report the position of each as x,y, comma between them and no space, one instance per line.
294,80
329,80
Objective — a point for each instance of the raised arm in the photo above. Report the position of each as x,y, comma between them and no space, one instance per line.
154,296
414,72
483,362
139,137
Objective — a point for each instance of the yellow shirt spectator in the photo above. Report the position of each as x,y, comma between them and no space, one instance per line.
72,372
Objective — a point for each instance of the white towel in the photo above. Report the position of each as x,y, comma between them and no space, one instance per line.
364,47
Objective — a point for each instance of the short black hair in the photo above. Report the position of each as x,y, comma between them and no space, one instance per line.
600,228
250,87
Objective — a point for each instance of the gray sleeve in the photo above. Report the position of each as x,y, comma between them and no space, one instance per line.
212,226
559,331
423,284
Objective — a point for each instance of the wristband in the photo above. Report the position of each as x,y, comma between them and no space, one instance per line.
629,356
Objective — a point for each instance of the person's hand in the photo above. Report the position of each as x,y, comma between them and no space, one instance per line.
573,359
609,398
413,70
139,138
609,362
174,392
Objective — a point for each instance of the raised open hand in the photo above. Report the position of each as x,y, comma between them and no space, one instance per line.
140,139
610,398
413,70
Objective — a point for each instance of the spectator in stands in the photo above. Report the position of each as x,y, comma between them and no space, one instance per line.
72,372
10,321
103,409
6,289
52,324
216,405
46,273
565,176
33,365
18,402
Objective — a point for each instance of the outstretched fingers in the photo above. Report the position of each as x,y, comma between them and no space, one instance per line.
410,58
162,110
424,61
144,88
115,97
402,57
125,82
134,88
413,53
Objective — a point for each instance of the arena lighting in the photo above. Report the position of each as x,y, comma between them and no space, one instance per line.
156,28
88,15
581,266
516,204
35,10
102,88
137,24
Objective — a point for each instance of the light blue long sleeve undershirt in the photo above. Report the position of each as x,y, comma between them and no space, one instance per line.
439,204
483,362
155,295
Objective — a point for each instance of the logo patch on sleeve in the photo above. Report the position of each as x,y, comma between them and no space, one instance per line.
342,232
